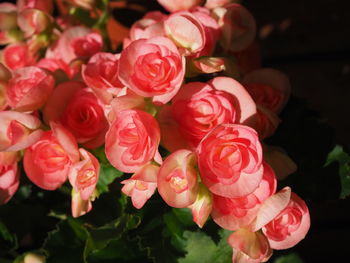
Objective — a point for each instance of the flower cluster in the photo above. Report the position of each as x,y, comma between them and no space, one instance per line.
62,95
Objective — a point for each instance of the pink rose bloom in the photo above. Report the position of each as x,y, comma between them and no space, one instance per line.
186,31
9,176
48,161
151,25
83,175
77,41
152,68
249,247
237,25
269,88
177,179
29,88
199,107
230,160
142,185
132,140
234,213
18,130
101,74
284,219
78,110
179,5
17,56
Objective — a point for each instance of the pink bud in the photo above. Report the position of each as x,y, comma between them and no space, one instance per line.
209,64
177,179
142,185
202,207
79,206
249,247
33,21
9,176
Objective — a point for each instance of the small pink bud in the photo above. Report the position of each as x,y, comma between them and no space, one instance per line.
202,207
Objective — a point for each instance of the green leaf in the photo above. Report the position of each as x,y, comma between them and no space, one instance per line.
201,248
291,258
107,175
184,215
8,241
343,159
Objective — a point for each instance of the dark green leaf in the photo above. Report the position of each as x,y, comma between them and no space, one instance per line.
343,159
292,258
107,175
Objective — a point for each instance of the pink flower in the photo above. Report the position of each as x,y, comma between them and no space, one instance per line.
83,175
284,219
18,56
79,110
79,206
249,247
234,213
132,140
200,107
179,5
101,74
237,25
269,88
47,162
9,176
33,21
186,31
230,160
203,205
55,65
44,5
18,130
29,88
142,185
152,68
177,179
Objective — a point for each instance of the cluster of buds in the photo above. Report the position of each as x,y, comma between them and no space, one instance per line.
58,105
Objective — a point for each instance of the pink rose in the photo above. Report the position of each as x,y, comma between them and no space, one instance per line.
234,213
17,56
142,185
83,175
18,130
47,162
199,107
9,176
29,88
230,160
177,179
101,74
249,247
152,68
237,25
132,140
79,110
269,88
179,5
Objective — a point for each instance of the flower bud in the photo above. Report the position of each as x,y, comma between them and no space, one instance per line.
202,207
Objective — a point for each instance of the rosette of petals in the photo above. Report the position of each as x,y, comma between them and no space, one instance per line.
179,5
152,68
203,205
17,55
8,16
132,140
186,31
77,41
33,21
18,130
284,218
199,107
177,179
249,247
151,25
268,87
43,5
101,74
237,25
47,162
142,185
9,176
230,160
234,213
29,88
79,110
83,175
